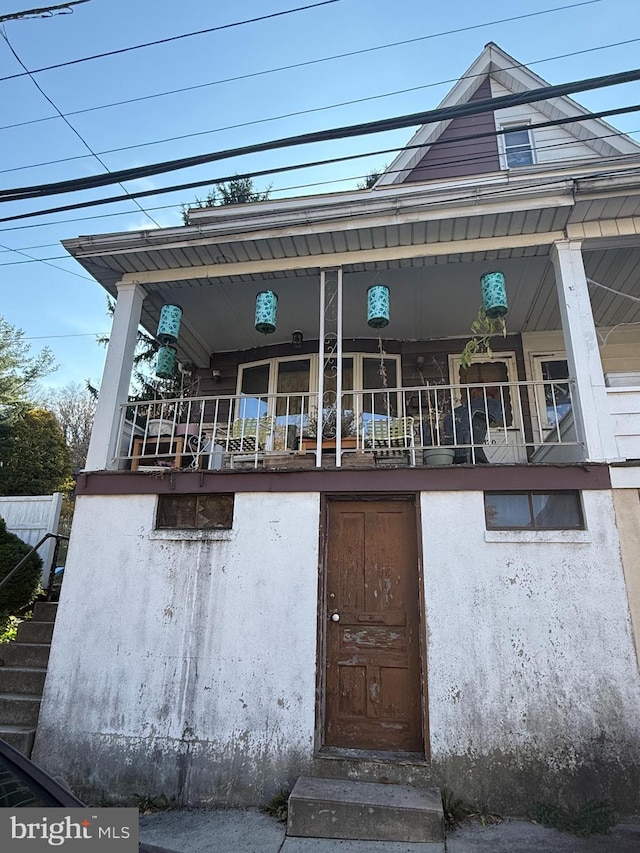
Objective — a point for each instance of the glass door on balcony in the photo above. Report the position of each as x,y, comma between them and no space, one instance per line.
499,422
555,397
277,389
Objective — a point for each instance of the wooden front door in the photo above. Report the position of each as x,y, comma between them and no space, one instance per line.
373,684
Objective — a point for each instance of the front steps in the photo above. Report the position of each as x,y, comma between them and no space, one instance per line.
368,811
23,667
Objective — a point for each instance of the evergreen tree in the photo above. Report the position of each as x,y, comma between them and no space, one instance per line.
235,191
34,457
24,585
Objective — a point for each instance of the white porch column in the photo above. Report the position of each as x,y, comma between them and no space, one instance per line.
114,388
591,409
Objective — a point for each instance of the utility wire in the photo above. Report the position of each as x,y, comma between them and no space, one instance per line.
189,35
283,169
42,12
272,118
591,115
46,263
209,181
68,123
345,132
323,59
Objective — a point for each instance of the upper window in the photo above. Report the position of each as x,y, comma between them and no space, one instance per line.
533,511
517,148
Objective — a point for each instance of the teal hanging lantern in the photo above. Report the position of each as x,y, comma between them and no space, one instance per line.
169,325
494,295
378,306
166,363
266,311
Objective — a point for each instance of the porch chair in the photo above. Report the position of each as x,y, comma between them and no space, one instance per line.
247,436
391,437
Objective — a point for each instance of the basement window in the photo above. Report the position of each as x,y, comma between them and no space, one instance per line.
533,511
195,512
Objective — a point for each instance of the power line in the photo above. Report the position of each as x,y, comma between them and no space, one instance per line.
282,169
345,132
68,123
278,117
328,59
184,36
42,12
46,263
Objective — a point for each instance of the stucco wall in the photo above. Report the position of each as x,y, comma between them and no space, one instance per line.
184,668
188,668
533,684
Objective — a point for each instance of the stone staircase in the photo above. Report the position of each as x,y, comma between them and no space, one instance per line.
23,667
369,801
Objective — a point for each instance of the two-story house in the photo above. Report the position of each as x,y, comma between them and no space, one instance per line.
270,570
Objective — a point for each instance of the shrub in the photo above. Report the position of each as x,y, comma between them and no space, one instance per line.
24,586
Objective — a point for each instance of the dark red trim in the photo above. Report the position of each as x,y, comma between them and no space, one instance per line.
457,478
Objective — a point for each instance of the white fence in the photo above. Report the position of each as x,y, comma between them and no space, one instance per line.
31,518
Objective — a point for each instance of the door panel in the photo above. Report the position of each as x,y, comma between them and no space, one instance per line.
373,651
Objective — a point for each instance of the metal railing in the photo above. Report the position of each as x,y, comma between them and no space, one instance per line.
497,422
57,536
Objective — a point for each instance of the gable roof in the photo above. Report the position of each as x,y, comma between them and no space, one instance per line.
494,65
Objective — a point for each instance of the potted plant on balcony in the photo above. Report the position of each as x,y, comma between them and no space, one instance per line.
329,424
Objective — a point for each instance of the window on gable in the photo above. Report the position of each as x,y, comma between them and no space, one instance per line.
518,148
533,511
195,512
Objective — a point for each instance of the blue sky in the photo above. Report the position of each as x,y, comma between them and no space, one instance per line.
52,299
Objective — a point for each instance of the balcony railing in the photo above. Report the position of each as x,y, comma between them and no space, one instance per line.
511,422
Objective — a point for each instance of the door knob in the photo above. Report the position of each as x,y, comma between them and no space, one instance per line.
335,617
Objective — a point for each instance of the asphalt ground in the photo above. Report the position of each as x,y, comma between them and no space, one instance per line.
252,831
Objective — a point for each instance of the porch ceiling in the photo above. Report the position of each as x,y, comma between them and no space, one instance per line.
411,246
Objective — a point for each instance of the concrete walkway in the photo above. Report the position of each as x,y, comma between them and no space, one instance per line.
251,831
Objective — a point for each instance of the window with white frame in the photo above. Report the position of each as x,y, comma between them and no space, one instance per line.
517,147
284,388
553,396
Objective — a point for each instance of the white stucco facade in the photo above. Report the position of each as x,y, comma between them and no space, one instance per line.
530,641
186,666
174,657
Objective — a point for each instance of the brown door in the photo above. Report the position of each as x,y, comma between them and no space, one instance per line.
373,657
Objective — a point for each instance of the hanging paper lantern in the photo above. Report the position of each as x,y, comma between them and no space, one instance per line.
166,363
494,295
266,311
378,306
169,325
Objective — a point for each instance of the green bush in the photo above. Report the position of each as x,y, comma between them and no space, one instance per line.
24,586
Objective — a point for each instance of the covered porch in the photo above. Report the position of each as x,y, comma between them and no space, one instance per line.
326,389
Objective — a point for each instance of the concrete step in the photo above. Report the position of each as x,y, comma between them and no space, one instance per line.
24,654
45,611
400,768
34,632
333,808
14,679
20,737
19,709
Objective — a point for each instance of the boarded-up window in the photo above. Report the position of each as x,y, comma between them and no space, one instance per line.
195,512
533,511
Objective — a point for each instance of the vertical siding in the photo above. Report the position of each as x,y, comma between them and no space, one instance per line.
458,159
